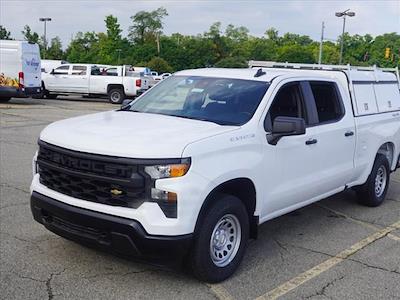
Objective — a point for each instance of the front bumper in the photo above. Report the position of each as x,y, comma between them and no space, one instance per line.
111,233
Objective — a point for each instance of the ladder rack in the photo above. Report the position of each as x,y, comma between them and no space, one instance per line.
301,66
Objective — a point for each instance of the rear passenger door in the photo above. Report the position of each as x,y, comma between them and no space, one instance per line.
335,135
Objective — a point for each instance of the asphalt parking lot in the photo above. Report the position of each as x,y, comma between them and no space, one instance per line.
334,249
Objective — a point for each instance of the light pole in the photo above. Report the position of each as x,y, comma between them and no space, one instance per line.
343,14
320,44
45,20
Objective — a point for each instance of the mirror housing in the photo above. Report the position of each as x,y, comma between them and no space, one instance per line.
125,103
286,126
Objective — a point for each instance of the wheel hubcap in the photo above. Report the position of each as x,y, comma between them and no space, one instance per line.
225,240
380,181
115,97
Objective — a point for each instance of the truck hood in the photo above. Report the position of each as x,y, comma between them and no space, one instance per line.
130,134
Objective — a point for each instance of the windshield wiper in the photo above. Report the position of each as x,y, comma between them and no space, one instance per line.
202,119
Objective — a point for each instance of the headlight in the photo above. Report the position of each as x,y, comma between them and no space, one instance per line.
167,171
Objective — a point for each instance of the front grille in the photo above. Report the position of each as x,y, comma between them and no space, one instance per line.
96,178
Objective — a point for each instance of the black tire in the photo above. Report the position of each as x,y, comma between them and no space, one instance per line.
116,96
373,192
201,260
5,99
51,96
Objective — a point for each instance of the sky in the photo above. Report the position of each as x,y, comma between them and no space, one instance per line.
193,17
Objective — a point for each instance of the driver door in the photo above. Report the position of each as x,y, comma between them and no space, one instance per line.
292,162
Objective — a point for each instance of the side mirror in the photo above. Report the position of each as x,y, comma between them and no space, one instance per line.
286,126
125,103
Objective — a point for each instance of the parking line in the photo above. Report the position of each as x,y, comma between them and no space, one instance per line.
360,222
221,292
327,264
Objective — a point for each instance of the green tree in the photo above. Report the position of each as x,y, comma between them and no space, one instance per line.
83,48
272,34
55,50
146,25
112,47
220,46
232,62
295,54
4,33
30,35
237,34
160,65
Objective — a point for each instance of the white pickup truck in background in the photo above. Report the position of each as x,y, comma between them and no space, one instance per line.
117,82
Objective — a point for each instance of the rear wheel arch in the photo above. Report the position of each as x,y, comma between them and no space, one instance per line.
388,150
242,188
114,86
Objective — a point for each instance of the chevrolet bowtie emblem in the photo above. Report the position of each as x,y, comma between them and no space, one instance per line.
116,192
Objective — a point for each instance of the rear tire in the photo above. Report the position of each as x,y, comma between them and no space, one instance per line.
116,96
373,192
221,240
5,99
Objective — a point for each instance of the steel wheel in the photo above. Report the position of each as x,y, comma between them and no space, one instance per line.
380,181
225,240
115,97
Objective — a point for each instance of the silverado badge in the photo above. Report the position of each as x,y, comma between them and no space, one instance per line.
116,192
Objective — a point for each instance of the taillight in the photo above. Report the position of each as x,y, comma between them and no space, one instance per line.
21,79
138,82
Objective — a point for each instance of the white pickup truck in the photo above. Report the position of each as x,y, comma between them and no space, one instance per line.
194,165
117,82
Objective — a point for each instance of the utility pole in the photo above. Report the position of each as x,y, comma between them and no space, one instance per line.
320,44
343,14
45,20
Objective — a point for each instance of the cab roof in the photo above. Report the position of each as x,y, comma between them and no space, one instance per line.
250,73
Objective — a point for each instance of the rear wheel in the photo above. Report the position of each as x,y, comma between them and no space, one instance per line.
116,96
373,192
221,240
5,99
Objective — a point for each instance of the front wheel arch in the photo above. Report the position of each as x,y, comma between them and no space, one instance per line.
242,188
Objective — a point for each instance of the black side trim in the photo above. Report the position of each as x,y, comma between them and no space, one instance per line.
111,233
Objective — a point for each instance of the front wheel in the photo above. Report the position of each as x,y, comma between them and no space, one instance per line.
373,192
116,96
221,240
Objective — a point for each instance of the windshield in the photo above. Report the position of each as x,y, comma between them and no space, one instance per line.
220,100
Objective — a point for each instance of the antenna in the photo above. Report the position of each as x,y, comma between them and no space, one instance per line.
259,73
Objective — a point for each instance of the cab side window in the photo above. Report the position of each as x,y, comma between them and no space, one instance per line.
288,102
327,101
78,70
61,70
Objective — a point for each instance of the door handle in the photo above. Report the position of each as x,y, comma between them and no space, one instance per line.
311,142
396,115
349,133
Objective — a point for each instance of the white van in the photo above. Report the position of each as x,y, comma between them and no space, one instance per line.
20,74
